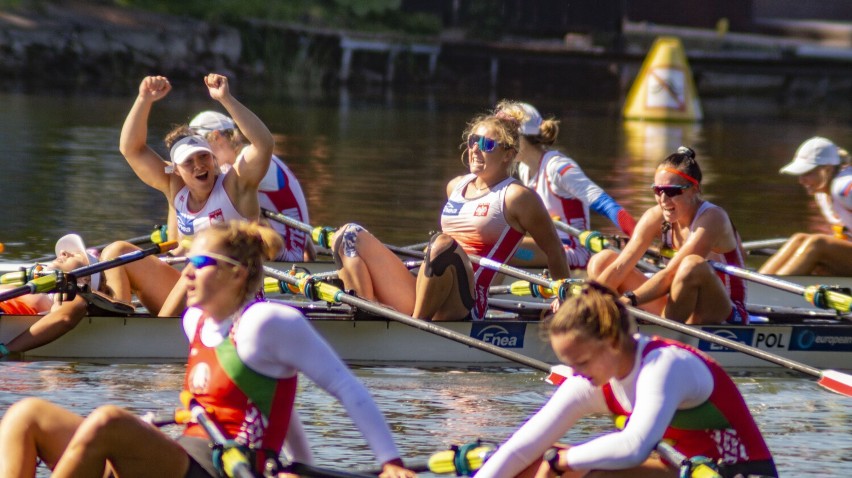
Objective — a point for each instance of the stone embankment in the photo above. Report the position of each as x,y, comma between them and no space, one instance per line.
77,42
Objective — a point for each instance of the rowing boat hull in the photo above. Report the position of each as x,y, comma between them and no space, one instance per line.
379,341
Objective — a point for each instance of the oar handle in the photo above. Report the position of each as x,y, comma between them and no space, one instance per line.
38,285
234,462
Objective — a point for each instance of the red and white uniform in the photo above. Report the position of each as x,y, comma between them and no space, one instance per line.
218,209
275,342
480,227
280,191
672,390
735,286
568,194
837,208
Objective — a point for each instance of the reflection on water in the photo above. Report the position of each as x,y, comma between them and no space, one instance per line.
807,428
384,159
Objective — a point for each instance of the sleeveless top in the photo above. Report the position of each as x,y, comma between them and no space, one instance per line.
735,286
841,199
218,209
720,428
480,227
251,408
280,191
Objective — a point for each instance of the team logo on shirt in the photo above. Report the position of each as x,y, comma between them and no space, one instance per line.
185,224
199,379
452,208
481,210
216,217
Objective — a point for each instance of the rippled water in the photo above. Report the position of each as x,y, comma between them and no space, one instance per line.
383,160
806,427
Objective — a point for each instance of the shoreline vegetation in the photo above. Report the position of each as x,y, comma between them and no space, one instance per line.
315,45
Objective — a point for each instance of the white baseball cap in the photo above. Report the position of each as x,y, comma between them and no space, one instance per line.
186,147
814,152
209,121
73,243
531,125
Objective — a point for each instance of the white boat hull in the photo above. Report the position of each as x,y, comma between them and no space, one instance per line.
142,338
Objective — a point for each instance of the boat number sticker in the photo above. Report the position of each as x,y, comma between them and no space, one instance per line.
507,336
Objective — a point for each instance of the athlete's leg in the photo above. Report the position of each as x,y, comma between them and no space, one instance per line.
151,279
697,296
445,282
783,256
372,270
34,428
132,447
820,254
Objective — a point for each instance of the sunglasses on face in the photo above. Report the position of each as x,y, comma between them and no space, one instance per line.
486,145
670,190
201,261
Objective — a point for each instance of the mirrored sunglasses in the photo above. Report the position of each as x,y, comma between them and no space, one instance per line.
486,145
201,261
670,190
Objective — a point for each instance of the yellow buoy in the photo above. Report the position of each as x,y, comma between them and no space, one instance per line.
664,90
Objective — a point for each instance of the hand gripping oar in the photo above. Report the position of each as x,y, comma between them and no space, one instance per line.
316,290
235,463
595,242
66,283
824,297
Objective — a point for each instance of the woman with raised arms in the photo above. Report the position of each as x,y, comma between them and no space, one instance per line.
244,359
665,389
487,213
687,289
196,191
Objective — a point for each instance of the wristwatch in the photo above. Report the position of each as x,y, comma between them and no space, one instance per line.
632,297
551,456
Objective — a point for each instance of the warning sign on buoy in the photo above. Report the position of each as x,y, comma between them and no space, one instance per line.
664,89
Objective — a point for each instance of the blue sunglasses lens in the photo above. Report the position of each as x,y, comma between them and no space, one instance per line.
486,145
200,262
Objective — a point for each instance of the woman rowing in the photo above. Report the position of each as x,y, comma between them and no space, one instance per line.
664,389
823,170
243,364
565,189
687,289
487,214
279,190
196,191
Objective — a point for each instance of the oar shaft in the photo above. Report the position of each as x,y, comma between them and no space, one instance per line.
759,278
335,294
641,265
733,345
764,243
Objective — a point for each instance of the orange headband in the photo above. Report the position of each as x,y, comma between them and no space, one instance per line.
681,174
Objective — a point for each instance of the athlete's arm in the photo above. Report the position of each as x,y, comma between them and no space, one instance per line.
575,398
669,378
277,341
525,211
145,162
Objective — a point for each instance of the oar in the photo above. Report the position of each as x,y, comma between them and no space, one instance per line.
831,379
595,242
66,282
235,463
824,297
764,243
316,290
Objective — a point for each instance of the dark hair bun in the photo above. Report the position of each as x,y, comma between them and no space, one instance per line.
687,151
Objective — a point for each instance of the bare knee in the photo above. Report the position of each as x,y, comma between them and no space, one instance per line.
599,262
98,426
692,270
116,249
25,412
